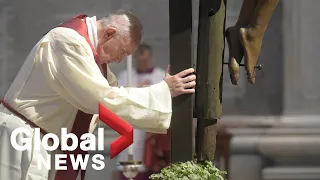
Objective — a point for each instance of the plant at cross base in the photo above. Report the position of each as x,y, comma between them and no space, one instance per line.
190,170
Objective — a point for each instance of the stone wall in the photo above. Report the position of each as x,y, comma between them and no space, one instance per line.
287,89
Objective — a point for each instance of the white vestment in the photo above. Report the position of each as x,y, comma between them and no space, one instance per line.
60,77
154,76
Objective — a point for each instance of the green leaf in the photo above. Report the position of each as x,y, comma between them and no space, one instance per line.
190,170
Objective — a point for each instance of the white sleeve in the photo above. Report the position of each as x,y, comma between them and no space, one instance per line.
74,75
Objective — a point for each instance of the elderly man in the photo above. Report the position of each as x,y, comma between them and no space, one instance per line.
65,77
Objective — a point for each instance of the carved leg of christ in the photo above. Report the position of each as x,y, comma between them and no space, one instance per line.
233,39
251,36
245,37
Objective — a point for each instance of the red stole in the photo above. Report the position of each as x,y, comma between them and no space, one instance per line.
82,121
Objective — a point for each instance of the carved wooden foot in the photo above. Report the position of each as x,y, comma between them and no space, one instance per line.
235,53
251,39
251,36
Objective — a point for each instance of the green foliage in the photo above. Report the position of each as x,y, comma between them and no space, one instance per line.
190,170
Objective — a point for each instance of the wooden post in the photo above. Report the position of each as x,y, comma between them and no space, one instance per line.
180,17
211,42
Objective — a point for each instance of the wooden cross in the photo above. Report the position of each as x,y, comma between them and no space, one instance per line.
180,13
209,77
210,55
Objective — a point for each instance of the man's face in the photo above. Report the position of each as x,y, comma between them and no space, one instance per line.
144,59
113,47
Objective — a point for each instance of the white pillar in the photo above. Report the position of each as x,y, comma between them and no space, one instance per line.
129,80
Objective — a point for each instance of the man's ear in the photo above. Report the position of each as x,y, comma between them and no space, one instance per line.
109,32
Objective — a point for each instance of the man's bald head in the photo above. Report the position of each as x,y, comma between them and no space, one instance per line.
119,35
126,23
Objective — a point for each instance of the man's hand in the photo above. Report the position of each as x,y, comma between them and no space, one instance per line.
181,83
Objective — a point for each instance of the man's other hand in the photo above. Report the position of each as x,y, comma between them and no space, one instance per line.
182,83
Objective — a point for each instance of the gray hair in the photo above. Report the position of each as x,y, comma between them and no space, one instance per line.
126,23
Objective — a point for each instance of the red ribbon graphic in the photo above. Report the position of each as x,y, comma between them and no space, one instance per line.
122,127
